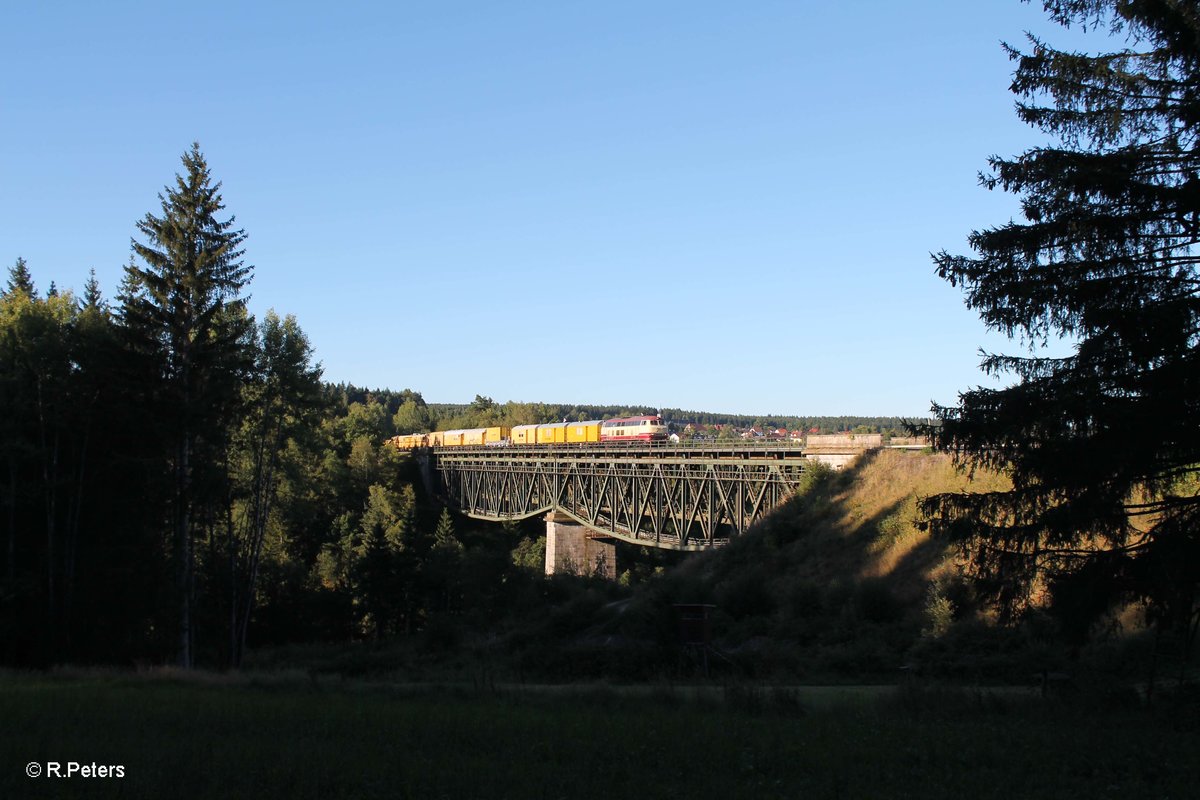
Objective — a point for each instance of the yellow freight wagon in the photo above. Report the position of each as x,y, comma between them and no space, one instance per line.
436,439
473,437
554,433
524,434
495,435
583,431
452,438
408,441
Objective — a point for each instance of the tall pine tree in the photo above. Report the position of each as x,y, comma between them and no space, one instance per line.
182,309
1103,445
92,297
19,279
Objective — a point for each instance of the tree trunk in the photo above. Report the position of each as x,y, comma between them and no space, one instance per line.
264,486
231,555
10,569
49,459
183,539
71,543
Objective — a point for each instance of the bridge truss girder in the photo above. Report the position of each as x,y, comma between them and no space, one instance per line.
680,501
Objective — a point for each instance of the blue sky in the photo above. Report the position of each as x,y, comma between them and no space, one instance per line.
699,205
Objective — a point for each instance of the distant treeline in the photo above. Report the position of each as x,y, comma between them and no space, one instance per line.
485,411
809,424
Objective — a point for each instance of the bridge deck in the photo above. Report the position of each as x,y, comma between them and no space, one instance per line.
638,450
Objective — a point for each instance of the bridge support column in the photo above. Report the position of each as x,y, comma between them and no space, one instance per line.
425,467
577,550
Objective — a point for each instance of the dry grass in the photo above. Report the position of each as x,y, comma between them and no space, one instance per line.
879,500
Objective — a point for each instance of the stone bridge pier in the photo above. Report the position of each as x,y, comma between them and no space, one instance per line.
576,549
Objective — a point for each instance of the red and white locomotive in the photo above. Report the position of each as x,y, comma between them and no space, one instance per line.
634,429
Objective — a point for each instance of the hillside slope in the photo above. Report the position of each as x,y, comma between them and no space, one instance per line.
838,581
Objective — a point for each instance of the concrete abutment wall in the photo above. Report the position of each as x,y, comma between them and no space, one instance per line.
575,549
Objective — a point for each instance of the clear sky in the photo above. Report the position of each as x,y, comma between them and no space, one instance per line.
715,206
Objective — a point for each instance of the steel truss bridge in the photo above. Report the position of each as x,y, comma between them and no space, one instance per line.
679,498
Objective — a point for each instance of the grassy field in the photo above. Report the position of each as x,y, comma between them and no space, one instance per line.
295,738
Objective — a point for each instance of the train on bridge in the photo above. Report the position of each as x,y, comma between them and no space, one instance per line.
626,429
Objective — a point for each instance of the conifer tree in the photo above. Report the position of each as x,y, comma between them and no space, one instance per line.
183,311
92,298
445,562
19,279
1103,444
444,537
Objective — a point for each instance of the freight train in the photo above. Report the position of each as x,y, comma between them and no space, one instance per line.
628,429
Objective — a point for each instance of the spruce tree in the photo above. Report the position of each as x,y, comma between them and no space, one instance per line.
92,297
1102,444
445,562
444,537
19,279
182,310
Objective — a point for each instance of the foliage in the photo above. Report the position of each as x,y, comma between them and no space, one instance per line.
412,417
939,612
68,466
530,553
1102,444
281,398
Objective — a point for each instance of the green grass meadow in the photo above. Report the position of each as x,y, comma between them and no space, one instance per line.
294,738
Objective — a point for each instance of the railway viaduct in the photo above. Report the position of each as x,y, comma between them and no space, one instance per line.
591,496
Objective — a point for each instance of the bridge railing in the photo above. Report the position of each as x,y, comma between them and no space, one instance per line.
657,448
